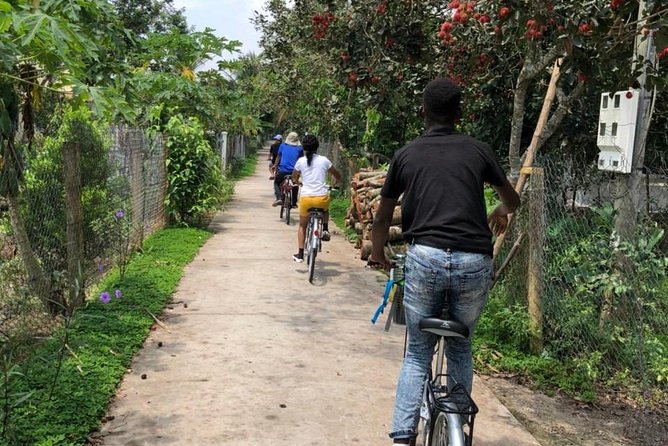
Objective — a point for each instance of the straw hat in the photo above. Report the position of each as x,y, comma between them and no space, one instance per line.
292,139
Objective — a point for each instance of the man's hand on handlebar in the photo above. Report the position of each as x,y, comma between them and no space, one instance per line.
379,263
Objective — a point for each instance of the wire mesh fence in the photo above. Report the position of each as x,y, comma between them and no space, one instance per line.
80,208
578,293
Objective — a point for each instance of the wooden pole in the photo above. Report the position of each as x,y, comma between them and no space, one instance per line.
531,150
74,222
509,257
536,231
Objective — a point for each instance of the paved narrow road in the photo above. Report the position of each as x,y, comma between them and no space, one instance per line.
255,355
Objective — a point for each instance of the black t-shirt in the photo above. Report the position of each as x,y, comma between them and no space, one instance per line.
273,150
442,175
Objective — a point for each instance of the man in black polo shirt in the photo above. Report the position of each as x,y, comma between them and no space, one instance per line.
273,153
441,175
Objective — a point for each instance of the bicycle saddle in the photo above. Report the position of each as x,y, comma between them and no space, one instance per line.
445,328
316,210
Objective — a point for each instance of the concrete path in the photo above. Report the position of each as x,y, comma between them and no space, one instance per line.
255,355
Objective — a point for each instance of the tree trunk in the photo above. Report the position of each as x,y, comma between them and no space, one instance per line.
629,186
517,126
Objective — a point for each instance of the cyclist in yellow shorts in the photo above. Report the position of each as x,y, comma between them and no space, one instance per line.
313,170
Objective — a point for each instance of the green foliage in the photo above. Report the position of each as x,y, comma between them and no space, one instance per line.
193,170
338,208
51,44
103,339
150,16
600,323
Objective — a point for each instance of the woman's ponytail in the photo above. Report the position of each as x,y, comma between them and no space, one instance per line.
310,144
309,156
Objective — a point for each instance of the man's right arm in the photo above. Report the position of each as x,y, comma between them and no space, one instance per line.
510,201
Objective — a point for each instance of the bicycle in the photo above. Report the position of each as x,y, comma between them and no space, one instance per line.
447,414
313,239
393,295
286,205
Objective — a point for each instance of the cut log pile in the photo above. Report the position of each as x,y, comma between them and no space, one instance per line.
365,197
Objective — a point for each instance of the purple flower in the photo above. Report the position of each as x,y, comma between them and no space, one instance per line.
118,294
104,297
100,267
120,213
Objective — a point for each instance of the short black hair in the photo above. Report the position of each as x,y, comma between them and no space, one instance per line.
310,143
441,99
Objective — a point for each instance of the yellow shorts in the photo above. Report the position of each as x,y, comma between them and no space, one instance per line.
306,203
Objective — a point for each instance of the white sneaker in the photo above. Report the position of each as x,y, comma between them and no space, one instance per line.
297,259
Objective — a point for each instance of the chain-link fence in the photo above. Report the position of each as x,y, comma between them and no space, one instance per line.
577,292
80,207
140,162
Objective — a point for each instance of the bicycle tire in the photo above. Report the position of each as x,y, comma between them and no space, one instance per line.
440,435
282,210
307,240
288,206
427,428
311,264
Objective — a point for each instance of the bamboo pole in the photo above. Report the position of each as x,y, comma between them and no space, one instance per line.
531,150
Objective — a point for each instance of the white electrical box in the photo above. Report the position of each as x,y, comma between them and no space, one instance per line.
617,130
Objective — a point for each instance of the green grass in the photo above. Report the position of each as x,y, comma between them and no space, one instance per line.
103,339
338,208
245,168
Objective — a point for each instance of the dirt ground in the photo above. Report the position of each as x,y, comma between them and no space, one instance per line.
559,420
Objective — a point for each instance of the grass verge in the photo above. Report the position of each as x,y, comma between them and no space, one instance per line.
338,208
64,406
244,168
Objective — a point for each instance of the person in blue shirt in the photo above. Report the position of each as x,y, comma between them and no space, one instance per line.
288,154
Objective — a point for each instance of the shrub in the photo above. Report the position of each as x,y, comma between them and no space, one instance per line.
196,185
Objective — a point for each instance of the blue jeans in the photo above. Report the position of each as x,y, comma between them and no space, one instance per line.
450,283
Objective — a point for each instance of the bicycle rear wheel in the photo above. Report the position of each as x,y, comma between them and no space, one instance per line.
426,428
311,263
287,204
439,435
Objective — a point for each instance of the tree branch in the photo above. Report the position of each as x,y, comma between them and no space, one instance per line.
547,59
559,114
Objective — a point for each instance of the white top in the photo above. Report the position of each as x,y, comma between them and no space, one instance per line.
313,176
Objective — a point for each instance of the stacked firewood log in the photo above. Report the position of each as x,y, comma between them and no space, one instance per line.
365,197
